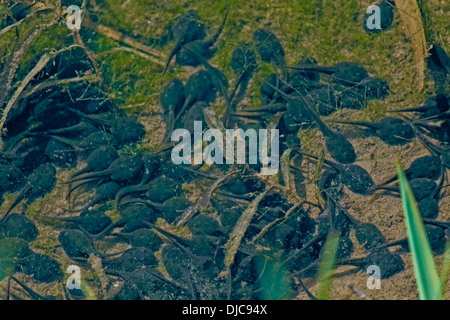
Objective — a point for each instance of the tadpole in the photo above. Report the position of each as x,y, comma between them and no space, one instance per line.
124,129
11,177
39,182
133,217
435,235
131,259
93,221
389,263
219,82
204,225
243,64
60,153
77,244
104,192
197,88
356,178
91,142
203,47
421,188
423,167
186,29
392,131
142,238
172,98
151,165
99,159
121,169
439,132
42,267
373,88
19,226
270,49
348,73
337,144
440,57
432,106
170,208
195,113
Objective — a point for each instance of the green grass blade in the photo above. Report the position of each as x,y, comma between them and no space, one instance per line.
427,278
327,265
273,281
445,267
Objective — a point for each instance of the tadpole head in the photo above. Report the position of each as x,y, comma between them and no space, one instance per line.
60,153
358,180
268,45
128,130
369,236
19,226
349,72
42,267
243,59
172,96
340,149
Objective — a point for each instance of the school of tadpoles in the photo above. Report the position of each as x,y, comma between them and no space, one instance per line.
50,131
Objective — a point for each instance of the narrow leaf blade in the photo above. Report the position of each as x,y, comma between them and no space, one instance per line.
327,265
427,278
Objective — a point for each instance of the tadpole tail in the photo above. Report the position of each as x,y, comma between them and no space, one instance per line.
390,180
109,255
170,124
123,235
78,126
89,176
415,109
11,143
98,119
22,194
78,186
308,293
109,228
323,128
326,70
242,82
174,238
356,262
147,203
332,164
222,26
183,109
437,223
191,286
174,51
33,294
280,63
91,203
355,123
428,145
65,141
81,171
388,189
400,242
127,190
